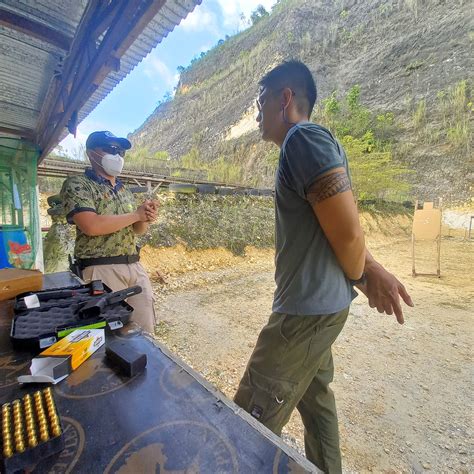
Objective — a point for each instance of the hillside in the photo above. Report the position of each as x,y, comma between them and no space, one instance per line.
409,58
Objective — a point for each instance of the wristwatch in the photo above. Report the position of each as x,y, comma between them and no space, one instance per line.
360,281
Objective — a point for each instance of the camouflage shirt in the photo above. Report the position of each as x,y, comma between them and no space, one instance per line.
94,193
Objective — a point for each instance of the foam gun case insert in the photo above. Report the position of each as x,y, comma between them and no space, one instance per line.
39,327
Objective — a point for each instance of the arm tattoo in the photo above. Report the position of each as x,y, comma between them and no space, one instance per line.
327,186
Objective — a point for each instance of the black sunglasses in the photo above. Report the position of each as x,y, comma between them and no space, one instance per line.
113,150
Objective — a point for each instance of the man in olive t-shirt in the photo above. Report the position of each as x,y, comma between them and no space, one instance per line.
320,257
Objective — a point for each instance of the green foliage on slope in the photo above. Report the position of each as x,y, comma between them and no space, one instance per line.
367,139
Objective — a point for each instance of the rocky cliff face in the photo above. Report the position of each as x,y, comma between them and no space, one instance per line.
406,55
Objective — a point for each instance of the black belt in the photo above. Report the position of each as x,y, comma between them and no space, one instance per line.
88,262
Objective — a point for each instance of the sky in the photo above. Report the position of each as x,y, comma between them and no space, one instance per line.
137,96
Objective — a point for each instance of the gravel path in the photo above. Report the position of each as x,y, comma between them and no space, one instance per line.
404,392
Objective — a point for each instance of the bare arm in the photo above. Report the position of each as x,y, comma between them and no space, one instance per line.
333,203
93,224
383,289
140,227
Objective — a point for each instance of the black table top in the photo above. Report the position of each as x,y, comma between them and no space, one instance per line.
165,420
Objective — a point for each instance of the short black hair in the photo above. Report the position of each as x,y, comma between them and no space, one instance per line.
296,76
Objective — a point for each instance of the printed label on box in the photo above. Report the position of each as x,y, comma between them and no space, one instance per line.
59,360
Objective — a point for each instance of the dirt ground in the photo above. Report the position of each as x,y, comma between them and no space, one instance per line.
404,393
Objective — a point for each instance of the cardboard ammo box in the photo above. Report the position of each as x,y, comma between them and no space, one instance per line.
14,281
59,360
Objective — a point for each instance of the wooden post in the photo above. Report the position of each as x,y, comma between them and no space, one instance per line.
439,236
413,271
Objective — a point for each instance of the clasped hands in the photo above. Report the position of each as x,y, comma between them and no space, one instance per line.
148,211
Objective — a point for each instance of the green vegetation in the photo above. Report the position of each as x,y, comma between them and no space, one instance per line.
457,108
413,66
367,140
192,160
273,157
374,174
232,222
384,208
225,171
141,159
191,165
448,120
208,221
142,156
50,185
220,170
419,116
258,14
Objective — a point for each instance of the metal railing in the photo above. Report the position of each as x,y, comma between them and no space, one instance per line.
63,168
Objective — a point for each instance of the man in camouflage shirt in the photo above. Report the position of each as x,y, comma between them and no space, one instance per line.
107,221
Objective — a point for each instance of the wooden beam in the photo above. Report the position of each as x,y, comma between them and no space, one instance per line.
35,29
150,10
129,22
59,83
105,19
74,68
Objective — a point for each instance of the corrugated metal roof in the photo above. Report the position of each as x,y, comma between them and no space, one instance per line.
27,64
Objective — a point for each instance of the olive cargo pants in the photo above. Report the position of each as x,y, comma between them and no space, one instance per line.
291,366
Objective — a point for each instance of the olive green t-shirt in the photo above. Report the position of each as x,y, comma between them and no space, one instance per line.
309,278
93,193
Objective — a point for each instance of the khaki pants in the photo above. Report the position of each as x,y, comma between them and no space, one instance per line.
291,366
120,276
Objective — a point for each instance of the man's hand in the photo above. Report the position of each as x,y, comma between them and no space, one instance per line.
141,213
151,210
147,213
383,290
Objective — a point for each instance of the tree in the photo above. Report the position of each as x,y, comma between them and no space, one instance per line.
258,14
167,96
353,97
374,174
367,142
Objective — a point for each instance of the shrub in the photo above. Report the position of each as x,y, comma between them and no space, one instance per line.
210,221
367,139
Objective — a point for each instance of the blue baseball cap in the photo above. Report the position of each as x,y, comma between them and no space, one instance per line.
104,138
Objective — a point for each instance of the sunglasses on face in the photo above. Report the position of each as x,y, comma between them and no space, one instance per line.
113,150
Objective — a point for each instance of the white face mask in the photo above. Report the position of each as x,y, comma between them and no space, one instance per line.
112,164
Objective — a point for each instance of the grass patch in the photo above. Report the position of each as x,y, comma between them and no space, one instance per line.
377,206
